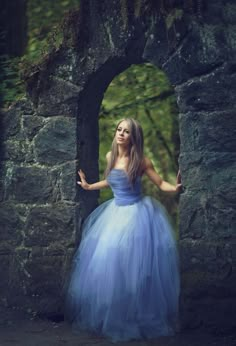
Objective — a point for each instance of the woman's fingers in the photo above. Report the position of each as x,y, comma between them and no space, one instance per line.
81,174
178,187
178,178
83,182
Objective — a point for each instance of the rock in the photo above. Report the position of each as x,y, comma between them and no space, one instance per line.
11,123
207,132
11,224
30,185
56,142
50,223
208,52
14,150
68,181
59,99
31,125
192,216
213,92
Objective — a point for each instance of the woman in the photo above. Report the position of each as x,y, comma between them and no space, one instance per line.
125,280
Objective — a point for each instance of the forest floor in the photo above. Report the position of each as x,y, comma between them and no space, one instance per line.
20,330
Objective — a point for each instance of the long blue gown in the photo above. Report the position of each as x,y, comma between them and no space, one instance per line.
125,278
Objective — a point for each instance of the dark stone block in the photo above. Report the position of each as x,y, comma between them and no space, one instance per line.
60,99
11,119
56,141
31,125
24,105
213,92
14,150
200,283
221,216
36,281
211,216
68,181
55,249
64,182
229,13
2,187
10,224
30,185
209,171
11,123
192,221
4,274
158,49
218,315
6,249
208,131
201,58
47,224
45,277
207,256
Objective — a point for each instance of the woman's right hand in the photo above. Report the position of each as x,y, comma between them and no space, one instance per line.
178,182
83,183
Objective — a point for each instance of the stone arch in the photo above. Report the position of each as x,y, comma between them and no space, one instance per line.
54,128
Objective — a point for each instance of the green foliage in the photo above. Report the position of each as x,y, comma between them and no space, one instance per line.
43,19
44,35
144,93
11,87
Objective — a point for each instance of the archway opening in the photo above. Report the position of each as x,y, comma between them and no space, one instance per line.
144,92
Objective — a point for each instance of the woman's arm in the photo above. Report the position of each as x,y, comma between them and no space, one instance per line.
86,186
149,170
96,186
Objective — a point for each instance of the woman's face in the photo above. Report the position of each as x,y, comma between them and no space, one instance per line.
123,134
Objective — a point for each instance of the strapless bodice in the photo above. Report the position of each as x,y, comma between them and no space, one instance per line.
124,192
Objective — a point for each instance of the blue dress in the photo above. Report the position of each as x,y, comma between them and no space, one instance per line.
125,277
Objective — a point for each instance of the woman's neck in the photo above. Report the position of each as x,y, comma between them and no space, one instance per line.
123,152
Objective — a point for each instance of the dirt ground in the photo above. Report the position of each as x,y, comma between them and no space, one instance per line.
21,330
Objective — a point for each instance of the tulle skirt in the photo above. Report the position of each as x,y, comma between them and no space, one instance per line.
125,278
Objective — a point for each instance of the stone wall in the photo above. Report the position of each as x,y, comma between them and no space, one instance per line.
55,130
38,208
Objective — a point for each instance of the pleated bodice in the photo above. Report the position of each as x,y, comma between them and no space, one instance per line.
124,192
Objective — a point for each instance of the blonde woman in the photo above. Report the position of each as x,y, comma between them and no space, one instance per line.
125,279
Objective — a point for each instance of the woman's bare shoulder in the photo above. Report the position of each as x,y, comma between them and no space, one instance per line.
146,163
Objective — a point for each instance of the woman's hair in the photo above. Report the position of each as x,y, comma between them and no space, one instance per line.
135,150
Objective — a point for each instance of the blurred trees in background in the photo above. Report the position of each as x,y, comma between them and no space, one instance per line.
44,19
29,30
13,43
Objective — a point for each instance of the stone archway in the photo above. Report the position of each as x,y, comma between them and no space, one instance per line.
55,128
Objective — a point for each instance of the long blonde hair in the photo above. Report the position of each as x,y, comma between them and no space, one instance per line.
135,150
